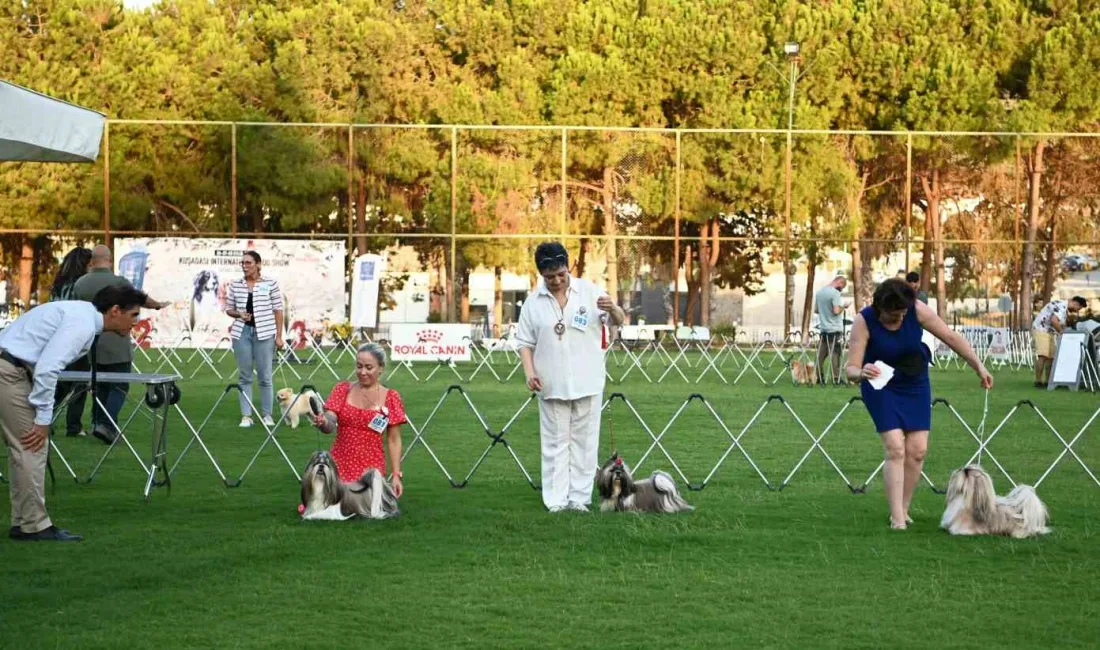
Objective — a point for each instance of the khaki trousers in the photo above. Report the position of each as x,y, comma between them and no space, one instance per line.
27,470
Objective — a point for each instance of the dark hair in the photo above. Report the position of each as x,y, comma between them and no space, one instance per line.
73,267
912,276
893,295
1080,300
551,256
255,256
124,296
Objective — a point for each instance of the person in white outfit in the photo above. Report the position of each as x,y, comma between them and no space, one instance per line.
559,337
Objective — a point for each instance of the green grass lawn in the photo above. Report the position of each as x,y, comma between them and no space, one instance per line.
812,565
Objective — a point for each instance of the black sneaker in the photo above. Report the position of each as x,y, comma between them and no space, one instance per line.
106,436
51,534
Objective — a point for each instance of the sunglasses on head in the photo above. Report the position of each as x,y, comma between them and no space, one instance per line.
547,261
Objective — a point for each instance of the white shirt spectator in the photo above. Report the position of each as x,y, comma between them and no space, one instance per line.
1059,308
50,337
571,367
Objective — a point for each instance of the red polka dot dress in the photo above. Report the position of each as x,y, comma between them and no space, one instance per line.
357,447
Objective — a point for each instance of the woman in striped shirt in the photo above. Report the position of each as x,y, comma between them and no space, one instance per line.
256,304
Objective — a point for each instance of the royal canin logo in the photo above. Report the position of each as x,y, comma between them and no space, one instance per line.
429,336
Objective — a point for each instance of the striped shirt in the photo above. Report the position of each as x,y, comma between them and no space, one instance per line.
266,300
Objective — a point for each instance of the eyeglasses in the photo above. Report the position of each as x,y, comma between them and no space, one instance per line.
249,263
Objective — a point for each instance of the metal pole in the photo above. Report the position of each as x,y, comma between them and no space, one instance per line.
351,207
908,197
564,192
107,183
233,180
455,289
1018,313
787,297
676,241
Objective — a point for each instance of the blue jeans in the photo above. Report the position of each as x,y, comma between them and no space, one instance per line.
251,351
111,396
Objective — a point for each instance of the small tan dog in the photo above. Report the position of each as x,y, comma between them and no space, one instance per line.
804,373
295,406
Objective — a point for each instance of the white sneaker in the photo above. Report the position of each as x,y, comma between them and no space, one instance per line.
557,508
268,421
245,422
577,507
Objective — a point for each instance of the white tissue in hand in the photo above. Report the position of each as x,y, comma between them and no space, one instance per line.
885,373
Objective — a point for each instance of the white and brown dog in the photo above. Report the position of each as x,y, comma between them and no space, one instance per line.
973,508
803,373
324,496
298,405
619,491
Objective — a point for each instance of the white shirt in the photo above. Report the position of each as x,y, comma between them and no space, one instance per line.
50,337
1059,308
266,300
571,367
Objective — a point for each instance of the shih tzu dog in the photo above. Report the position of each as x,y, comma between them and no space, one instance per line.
298,405
973,508
619,491
324,496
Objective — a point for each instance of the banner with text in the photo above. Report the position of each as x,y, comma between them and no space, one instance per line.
430,342
194,275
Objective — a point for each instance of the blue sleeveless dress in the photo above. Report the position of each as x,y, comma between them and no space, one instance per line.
906,402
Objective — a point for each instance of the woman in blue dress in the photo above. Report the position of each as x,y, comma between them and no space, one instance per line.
890,331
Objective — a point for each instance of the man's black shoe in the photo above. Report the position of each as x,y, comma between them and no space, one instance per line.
106,436
51,534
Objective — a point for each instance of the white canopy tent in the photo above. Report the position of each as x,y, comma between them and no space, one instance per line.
38,128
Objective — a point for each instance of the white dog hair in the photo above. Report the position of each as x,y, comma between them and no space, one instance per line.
973,508
324,496
296,405
619,491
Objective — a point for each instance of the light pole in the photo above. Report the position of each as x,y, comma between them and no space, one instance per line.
793,52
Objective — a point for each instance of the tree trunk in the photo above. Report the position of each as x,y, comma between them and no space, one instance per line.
464,286
1049,274
609,230
857,273
26,270
689,272
933,227
361,216
926,255
1035,177
808,301
704,275
498,301
582,259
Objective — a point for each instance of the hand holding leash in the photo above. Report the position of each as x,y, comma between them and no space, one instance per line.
985,377
534,383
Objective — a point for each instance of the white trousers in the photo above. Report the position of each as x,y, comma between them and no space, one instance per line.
570,433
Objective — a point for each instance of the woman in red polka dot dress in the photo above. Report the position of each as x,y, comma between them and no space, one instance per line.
364,413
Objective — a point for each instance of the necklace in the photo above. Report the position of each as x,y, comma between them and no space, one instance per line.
559,328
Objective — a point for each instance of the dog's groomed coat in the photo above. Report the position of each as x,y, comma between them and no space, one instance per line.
619,491
324,495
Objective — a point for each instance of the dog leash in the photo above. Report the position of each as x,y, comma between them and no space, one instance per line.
611,426
981,426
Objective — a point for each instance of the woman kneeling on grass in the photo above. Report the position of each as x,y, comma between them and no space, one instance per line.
890,331
361,414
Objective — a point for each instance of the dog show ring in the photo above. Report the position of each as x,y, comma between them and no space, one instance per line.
161,393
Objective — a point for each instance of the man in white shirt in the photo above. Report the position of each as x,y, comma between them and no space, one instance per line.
33,351
559,336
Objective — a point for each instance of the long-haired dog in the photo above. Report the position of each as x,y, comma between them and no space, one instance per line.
973,508
803,373
619,491
324,496
297,405
205,288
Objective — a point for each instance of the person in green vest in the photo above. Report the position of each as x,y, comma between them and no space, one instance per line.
114,352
